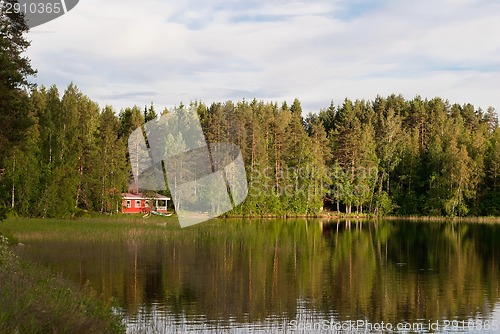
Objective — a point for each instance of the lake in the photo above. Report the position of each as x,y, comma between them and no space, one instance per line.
277,275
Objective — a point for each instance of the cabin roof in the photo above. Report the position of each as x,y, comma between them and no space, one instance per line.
142,196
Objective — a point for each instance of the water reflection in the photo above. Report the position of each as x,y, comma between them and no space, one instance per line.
263,274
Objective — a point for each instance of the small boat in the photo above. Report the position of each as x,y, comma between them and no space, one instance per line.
162,214
149,213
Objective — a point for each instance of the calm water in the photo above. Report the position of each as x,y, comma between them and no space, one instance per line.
275,276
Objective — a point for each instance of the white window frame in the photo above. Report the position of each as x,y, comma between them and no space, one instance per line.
129,204
138,201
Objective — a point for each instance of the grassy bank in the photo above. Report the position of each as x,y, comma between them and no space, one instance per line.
321,215
34,300
90,228
488,219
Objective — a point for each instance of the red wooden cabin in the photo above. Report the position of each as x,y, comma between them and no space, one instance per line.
138,202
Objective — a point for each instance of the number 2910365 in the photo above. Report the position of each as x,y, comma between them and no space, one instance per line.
31,8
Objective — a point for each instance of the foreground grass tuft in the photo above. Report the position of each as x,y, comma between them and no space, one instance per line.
33,300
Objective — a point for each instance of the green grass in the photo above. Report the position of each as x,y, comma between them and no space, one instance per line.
112,228
87,228
34,300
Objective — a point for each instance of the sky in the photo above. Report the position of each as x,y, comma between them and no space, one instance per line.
124,53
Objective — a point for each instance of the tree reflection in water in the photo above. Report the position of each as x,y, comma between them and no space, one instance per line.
239,273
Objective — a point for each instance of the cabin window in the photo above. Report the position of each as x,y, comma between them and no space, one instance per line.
146,204
129,204
137,203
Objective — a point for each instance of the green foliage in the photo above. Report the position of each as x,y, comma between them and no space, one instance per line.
3,213
15,69
384,204
150,114
71,160
389,155
430,157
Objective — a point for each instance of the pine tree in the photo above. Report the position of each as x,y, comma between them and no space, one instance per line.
327,117
15,70
130,119
320,158
298,156
110,163
280,123
389,139
150,114
15,118
346,147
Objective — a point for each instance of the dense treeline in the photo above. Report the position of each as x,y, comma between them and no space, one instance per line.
409,157
60,155
73,157
415,157
387,155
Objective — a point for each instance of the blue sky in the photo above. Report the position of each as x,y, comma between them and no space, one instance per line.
126,53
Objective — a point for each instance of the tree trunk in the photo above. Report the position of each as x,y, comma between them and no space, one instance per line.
373,193
13,200
79,188
388,177
277,161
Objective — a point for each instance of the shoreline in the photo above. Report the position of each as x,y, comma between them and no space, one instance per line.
472,219
324,215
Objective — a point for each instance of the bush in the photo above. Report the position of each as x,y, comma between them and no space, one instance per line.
384,204
3,213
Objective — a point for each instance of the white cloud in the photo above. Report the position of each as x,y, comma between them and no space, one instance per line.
123,53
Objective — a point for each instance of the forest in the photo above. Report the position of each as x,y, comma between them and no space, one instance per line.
61,154
389,155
